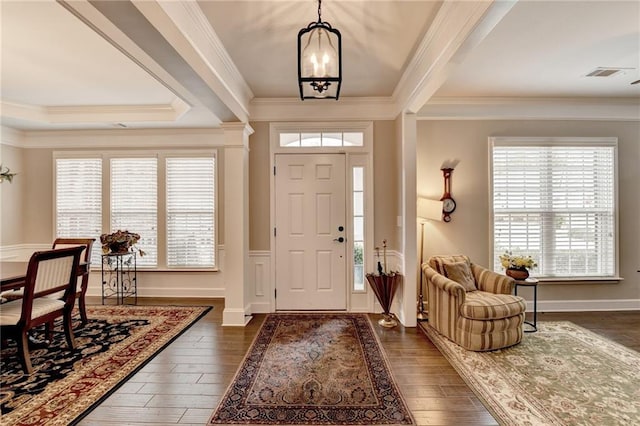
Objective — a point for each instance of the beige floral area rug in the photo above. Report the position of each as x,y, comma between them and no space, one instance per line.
314,369
561,375
67,384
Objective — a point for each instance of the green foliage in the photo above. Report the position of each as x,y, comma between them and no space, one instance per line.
358,255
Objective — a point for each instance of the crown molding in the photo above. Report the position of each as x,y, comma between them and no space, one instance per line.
522,108
218,58
458,27
294,109
96,113
12,137
186,28
124,138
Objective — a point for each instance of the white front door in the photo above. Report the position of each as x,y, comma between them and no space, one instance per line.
310,232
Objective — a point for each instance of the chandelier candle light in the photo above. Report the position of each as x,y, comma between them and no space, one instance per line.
319,60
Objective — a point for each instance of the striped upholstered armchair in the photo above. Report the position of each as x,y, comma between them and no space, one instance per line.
471,305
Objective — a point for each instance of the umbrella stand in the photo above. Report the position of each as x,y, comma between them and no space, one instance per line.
384,287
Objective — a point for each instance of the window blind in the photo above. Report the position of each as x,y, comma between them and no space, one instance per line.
190,211
556,203
79,200
134,205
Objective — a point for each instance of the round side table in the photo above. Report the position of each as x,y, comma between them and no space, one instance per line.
530,282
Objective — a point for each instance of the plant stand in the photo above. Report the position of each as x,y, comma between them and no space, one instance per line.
384,287
119,278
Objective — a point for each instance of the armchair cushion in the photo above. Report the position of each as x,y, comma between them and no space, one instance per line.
485,306
460,272
438,262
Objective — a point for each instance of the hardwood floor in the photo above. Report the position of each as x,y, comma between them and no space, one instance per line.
184,383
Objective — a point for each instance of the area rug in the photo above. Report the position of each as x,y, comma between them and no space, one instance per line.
314,369
66,385
561,375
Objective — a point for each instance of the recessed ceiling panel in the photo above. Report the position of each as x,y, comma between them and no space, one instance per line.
50,58
547,48
378,39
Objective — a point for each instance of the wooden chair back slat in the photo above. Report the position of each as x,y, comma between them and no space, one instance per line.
53,276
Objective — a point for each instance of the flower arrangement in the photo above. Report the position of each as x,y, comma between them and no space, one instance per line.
5,173
511,261
120,242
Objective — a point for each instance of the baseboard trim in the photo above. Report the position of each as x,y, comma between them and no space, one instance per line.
585,305
208,293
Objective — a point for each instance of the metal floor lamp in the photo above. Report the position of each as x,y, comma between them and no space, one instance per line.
427,210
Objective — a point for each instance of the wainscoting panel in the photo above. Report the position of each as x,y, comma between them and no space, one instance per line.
261,297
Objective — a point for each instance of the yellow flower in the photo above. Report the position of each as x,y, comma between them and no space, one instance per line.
508,260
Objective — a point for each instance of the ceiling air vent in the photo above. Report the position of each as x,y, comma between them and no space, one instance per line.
606,72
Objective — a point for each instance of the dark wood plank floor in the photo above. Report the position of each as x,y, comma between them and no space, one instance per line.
184,383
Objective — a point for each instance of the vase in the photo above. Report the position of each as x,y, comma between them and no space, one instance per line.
384,287
119,248
519,274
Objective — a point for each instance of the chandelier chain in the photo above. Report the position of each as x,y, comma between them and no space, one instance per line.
319,10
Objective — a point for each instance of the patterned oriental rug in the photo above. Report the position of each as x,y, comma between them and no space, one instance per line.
561,375
67,385
314,369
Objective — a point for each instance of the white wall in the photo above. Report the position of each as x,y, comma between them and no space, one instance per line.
12,195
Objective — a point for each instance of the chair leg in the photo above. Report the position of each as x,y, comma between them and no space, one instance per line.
81,302
48,331
68,329
23,352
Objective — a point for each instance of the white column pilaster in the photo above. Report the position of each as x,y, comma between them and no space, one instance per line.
407,296
236,224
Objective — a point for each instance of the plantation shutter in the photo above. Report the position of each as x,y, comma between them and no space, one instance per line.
79,200
191,212
134,206
556,203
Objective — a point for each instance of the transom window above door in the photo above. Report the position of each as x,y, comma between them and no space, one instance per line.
321,139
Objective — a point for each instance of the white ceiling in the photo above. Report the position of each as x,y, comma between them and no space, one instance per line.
146,64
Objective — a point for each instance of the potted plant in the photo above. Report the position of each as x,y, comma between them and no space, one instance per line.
517,266
5,173
120,242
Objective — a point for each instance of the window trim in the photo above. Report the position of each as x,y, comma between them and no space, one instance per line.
365,127
160,155
607,141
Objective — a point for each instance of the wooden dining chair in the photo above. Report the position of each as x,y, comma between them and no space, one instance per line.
49,272
84,273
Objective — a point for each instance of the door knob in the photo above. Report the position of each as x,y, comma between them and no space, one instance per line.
339,239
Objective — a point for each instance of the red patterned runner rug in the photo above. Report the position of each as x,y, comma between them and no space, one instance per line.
66,385
314,369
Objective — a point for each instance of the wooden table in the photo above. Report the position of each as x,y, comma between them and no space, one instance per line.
13,274
530,282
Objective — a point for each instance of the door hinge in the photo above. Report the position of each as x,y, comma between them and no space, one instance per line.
274,170
275,293
274,232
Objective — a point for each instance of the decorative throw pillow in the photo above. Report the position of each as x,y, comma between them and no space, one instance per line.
460,272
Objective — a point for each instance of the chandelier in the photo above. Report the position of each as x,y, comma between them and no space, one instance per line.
319,60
